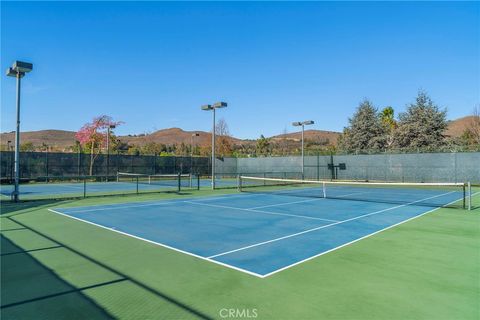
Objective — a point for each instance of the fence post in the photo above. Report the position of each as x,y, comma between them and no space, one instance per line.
131,163
179,176
154,163
118,160
46,164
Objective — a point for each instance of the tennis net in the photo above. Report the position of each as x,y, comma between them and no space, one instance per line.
455,195
178,181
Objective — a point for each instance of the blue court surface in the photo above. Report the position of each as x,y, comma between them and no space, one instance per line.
258,233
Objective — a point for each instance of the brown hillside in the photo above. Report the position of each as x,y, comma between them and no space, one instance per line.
458,126
173,136
58,139
312,135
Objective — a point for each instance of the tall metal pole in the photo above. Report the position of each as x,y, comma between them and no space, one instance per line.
213,151
16,191
79,159
303,156
46,162
9,171
108,149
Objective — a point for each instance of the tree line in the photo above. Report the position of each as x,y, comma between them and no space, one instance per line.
422,127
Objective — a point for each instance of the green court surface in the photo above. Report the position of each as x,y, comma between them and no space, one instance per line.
55,267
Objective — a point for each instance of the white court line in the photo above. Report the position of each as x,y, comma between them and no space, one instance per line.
322,227
160,244
260,211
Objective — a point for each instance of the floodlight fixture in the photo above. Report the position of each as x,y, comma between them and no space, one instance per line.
296,124
19,68
219,105
207,107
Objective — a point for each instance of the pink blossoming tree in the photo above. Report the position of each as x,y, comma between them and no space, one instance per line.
93,136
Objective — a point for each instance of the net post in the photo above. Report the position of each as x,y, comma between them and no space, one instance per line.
84,187
239,183
137,184
118,177
198,182
469,184
464,195
324,189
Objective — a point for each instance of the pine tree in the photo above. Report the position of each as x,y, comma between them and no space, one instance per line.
422,125
365,130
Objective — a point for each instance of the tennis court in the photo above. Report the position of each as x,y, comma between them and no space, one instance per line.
124,183
268,229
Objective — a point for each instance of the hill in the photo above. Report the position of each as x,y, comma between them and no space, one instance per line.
57,139
173,136
62,140
458,126
319,136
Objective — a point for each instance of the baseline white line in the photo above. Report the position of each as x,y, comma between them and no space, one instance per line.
160,244
353,241
322,227
260,211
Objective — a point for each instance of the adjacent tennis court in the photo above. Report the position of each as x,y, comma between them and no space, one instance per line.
80,186
272,227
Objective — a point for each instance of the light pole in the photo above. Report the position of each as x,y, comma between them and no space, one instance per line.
18,70
191,142
209,107
118,153
191,151
9,167
111,126
303,124
191,157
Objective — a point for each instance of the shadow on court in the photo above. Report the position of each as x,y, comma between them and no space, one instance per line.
8,207
31,290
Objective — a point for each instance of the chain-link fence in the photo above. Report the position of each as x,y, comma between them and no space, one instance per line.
47,164
63,171
416,167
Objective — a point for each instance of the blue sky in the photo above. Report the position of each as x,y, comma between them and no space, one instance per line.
152,64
